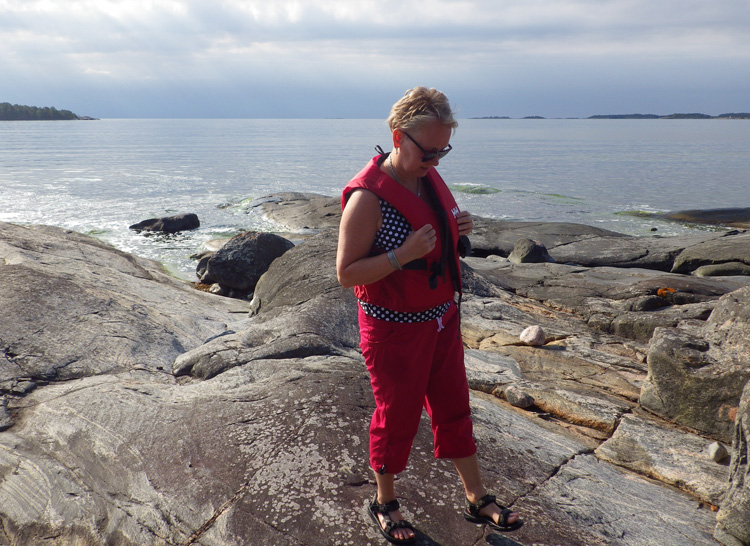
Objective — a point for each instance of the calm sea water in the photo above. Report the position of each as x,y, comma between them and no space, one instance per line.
99,177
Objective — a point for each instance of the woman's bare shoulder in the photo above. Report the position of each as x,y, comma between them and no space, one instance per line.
360,197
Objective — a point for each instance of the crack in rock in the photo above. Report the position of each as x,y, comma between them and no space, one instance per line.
234,499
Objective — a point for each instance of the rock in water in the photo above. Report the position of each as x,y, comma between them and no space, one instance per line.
169,224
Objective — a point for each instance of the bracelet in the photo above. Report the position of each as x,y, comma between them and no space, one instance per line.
394,261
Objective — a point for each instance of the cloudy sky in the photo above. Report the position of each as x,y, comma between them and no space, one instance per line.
354,58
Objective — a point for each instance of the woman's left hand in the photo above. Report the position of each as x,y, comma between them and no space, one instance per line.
465,223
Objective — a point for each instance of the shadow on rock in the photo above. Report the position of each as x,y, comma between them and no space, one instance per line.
500,540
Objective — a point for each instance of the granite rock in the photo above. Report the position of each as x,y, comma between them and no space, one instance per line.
697,371
169,224
733,246
243,259
273,396
733,524
528,251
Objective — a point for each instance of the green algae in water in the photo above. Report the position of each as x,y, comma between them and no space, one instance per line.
96,232
474,189
562,197
636,213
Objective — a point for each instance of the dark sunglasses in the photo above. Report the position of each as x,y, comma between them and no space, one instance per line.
429,156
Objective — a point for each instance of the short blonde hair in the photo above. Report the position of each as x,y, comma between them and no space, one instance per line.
419,106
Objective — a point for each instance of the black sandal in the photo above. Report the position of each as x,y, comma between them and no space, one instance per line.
376,508
472,514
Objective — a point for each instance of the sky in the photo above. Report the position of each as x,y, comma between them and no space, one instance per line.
354,58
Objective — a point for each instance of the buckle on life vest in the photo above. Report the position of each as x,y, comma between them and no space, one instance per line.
416,265
436,269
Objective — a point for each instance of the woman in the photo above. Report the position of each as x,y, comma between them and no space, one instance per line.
398,248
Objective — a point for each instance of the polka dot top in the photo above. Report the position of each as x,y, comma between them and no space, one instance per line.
395,228
391,235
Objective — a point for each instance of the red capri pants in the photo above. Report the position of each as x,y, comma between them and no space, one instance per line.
415,365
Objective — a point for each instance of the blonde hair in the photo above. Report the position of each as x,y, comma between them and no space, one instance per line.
419,106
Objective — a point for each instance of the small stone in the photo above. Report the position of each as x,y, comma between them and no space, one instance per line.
527,251
218,289
533,335
518,398
717,452
23,387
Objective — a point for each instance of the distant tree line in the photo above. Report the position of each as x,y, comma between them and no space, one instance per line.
741,115
18,112
737,115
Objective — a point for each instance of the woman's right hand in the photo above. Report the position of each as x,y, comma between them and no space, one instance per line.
360,222
418,244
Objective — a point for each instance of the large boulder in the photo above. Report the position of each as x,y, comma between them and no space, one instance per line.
244,258
733,521
696,372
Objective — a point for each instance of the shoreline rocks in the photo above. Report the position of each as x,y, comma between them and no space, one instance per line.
169,224
144,412
240,262
732,217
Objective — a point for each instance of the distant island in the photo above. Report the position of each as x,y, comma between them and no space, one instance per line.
18,112
740,115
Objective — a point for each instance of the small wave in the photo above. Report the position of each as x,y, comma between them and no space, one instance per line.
474,189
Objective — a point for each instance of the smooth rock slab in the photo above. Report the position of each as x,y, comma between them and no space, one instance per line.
667,454
303,211
74,306
486,371
726,269
732,247
613,509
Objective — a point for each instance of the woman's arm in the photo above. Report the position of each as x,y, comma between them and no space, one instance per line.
360,222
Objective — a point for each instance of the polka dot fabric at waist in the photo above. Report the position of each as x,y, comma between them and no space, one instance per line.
382,313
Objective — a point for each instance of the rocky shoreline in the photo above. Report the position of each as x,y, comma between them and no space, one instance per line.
139,411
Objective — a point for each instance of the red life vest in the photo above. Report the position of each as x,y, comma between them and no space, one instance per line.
426,283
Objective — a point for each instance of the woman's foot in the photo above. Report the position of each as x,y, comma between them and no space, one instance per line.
494,511
392,524
487,510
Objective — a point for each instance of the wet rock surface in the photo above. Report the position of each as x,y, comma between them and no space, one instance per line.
169,224
143,412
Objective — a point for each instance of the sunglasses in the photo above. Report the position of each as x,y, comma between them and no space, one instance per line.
429,156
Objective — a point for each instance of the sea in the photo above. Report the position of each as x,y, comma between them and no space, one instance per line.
99,177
